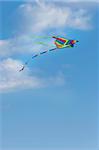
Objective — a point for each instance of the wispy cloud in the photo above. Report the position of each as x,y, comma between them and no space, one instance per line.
22,44
11,79
43,16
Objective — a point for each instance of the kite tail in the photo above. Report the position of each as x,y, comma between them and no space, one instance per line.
34,56
24,66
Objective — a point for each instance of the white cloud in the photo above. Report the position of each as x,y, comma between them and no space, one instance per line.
4,46
22,44
46,16
11,79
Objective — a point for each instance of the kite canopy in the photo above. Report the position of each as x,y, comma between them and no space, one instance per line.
62,42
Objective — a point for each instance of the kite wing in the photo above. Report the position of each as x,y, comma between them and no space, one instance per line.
64,43
60,42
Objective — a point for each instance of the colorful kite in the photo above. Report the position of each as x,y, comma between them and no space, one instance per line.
59,42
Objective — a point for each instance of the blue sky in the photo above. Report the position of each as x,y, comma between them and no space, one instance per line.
52,104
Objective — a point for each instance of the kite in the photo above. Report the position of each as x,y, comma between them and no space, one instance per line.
59,43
